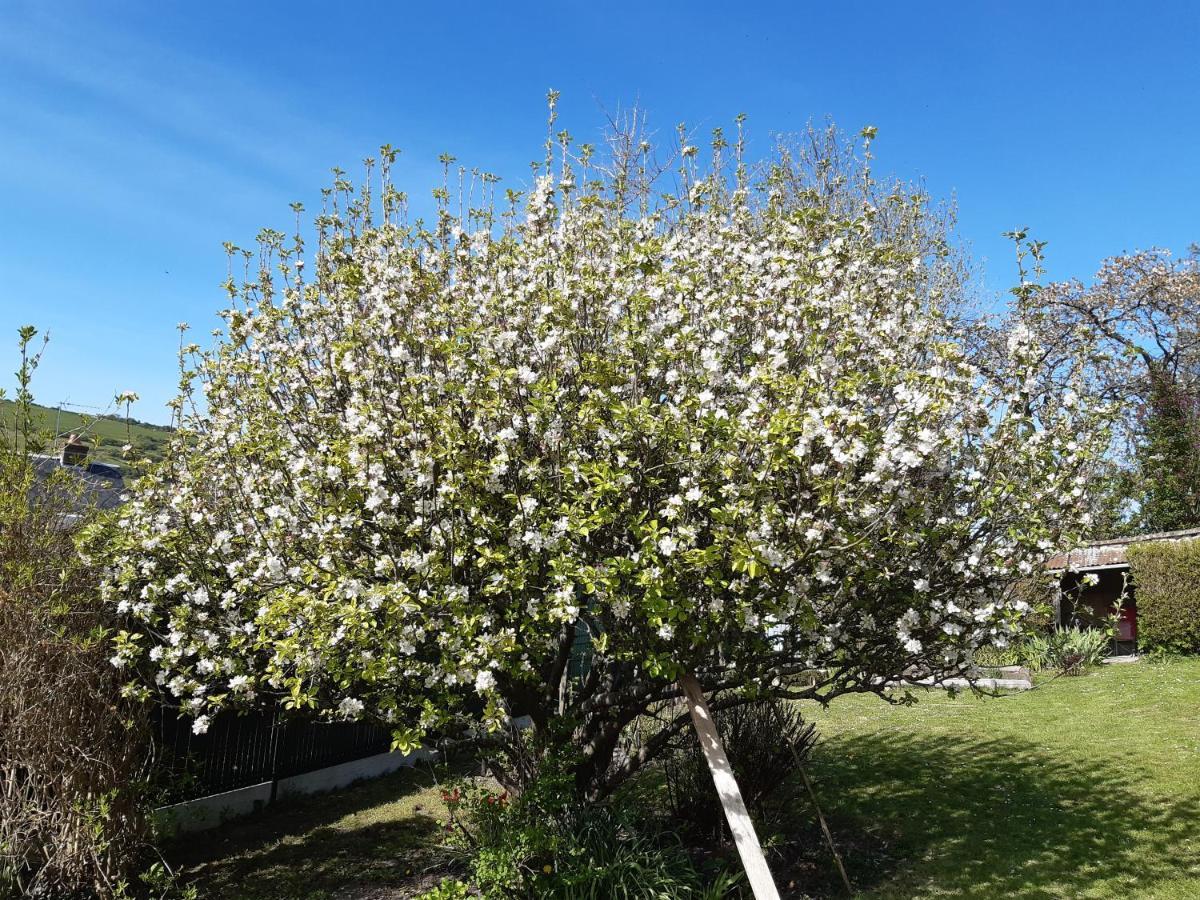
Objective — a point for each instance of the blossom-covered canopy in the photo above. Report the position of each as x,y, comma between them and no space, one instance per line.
731,433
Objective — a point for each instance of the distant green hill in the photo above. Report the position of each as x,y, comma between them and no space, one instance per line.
107,434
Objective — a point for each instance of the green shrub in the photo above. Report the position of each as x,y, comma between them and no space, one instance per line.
74,752
765,741
1166,577
546,843
1067,650
990,656
450,889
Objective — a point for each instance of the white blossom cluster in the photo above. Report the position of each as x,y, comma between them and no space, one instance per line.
733,434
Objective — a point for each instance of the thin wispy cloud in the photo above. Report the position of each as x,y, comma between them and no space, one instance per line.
135,137
185,99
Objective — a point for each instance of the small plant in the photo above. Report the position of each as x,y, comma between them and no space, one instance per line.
997,657
546,842
766,741
25,437
1068,650
450,889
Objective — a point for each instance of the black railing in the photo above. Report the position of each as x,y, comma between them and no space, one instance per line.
240,750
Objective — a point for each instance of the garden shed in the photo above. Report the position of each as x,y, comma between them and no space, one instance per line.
1093,579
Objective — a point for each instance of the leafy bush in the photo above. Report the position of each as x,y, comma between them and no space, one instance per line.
1166,576
765,742
992,656
73,750
450,889
1067,650
547,843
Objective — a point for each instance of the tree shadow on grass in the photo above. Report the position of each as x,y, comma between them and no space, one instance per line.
349,843
961,817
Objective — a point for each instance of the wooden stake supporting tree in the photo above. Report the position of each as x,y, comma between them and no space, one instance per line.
740,824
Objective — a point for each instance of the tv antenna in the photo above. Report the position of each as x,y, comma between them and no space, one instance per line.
80,409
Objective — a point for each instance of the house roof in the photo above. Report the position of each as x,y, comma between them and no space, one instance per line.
100,484
1111,553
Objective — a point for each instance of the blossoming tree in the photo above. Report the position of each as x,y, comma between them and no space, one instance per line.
727,432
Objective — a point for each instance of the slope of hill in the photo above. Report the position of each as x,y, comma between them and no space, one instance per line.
107,434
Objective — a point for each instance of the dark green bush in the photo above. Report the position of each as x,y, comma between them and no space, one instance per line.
1166,581
547,843
765,741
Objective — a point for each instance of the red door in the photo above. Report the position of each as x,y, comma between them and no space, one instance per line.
1127,623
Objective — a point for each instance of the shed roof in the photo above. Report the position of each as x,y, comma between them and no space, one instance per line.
1111,553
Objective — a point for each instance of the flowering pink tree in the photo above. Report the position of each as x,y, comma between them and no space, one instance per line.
729,433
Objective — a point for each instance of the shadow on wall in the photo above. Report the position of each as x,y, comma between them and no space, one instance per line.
966,818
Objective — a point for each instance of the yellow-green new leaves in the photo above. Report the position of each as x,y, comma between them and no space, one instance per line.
735,437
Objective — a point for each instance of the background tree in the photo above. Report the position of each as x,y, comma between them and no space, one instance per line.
728,430
1168,455
1143,311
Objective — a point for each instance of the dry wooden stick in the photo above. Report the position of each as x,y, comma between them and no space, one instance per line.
837,858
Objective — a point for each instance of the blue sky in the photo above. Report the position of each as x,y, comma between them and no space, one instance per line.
136,137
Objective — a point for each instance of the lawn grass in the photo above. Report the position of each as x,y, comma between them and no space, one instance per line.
378,840
1087,787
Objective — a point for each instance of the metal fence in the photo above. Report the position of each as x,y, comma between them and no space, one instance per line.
241,750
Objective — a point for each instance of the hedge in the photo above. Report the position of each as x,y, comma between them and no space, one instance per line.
1166,577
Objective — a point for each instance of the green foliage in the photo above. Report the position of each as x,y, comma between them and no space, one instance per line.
158,882
995,657
1142,318
547,843
23,432
1166,577
1067,650
1169,457
450,889
766,741
73,749
1116,495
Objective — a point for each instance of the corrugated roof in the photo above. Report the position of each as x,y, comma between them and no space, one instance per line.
1111,553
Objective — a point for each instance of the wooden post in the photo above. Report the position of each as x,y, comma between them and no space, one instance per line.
744,835
837,857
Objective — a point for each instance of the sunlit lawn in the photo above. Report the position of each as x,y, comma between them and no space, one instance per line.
1086,787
